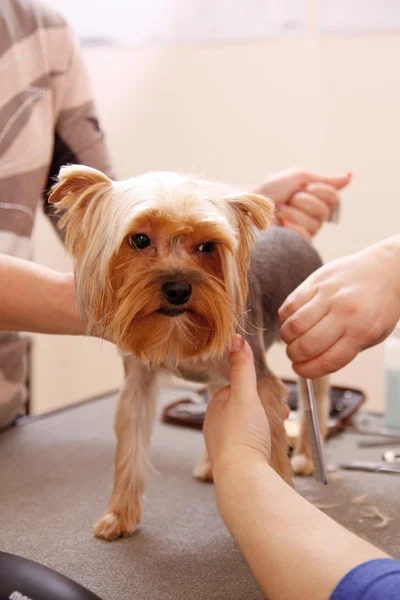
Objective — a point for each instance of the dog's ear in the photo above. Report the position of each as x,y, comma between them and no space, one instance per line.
250,211
77,184
78,190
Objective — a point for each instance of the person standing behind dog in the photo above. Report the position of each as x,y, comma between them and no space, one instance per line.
48,119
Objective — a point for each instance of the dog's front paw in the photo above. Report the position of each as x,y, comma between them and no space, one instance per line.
113,525
302,465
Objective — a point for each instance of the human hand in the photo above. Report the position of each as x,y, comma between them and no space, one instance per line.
236,425
303,200
344,307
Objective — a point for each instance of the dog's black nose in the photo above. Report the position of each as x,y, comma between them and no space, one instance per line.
177,292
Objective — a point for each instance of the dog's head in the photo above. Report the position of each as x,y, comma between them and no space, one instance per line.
161,259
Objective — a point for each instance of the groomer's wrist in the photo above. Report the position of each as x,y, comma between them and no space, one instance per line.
387,253
393,250
266,188
74,323
231,471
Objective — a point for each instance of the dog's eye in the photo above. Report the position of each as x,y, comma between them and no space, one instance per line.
140,241
207,247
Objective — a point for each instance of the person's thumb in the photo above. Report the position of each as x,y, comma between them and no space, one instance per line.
338,182
242,369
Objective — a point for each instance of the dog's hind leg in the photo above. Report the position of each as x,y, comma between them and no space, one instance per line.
133,425
273,394
301,460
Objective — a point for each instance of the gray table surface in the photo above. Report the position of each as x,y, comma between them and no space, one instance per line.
56,478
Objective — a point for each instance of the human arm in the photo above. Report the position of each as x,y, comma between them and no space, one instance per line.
303,200
346,306
36,299
293,549
78,137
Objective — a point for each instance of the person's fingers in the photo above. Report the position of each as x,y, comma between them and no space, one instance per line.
287,213
242,369
298,229
311,204
328,194
304,319
337,182
334,359
303,294
317,340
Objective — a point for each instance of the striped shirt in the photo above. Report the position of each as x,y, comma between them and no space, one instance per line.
47,119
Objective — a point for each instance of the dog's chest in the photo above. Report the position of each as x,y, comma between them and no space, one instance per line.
210,373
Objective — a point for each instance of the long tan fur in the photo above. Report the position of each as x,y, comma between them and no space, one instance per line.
120,292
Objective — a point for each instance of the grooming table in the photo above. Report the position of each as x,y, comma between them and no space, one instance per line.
56,478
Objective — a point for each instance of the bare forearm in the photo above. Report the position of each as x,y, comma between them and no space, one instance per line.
294,550
34,298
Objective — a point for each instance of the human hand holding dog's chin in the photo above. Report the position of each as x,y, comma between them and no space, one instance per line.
303,200
236,428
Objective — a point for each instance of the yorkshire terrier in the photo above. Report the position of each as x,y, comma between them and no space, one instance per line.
170,267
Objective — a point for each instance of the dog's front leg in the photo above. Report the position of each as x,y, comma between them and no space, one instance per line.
203,470
133,425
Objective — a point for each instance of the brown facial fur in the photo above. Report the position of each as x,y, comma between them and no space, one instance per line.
120,286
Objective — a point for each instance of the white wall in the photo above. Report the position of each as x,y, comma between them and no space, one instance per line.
238,112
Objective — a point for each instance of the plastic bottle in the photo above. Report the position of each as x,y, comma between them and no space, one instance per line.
392,376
